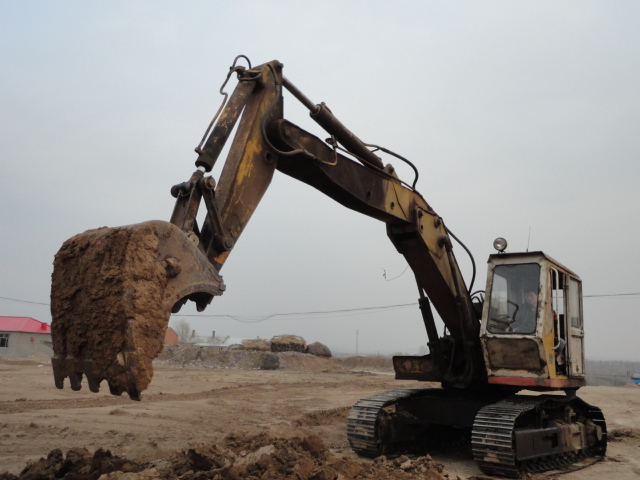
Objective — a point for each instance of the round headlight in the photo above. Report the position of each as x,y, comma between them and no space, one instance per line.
500,244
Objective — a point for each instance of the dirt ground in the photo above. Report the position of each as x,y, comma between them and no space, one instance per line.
189,413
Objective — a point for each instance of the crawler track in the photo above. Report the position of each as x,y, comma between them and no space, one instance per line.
493,438
362,428
383,425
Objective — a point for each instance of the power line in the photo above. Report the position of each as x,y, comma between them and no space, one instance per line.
24,301
611,295
317,315
330,313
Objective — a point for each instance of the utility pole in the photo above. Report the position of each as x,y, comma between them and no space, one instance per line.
357,331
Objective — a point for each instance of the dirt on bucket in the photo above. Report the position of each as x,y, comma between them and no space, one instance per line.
112,292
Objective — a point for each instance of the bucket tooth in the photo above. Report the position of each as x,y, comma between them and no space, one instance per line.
133,392
178,305
75,378
114,388
58,371
92,379
74,372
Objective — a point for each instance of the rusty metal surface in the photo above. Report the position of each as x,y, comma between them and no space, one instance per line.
113,290
323,116
534,382
416,368
250,165
218,138
347,182
414,228
515,354
530,360
534,434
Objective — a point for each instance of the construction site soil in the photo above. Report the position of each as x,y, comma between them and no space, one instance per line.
202,418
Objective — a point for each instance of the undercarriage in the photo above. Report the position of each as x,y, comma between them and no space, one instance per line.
509,434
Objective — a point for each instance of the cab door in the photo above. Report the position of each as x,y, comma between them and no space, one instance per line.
574,325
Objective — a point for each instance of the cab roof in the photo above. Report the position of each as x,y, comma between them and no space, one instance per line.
527,257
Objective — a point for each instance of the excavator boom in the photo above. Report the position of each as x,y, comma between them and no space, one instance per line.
97,288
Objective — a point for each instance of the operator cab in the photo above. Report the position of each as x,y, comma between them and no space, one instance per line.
532,328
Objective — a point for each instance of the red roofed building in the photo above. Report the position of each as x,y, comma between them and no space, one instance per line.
170,337
24,337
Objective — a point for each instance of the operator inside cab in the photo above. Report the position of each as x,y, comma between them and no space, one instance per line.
514,299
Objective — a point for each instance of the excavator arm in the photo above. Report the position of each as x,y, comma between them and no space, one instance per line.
188,257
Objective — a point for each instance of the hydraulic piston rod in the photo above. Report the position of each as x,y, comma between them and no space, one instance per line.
327,120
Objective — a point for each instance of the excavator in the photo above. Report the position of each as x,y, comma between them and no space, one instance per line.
510,358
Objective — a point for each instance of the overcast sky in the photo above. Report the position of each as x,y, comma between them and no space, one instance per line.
521,117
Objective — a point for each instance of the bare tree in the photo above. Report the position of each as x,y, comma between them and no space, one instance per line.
183,329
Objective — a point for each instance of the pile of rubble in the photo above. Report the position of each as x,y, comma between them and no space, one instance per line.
287,343
193,356
258,354
236,457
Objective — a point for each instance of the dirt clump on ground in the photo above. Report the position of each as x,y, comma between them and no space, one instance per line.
78,464
238,456
620,434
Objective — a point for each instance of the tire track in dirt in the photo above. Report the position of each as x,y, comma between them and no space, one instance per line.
25,405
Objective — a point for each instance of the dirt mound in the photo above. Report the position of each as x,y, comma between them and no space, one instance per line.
324,417
191,356
318,349
236,457
375,362
288,343
306,362
257,345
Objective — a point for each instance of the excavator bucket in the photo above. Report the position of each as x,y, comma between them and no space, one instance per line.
112,293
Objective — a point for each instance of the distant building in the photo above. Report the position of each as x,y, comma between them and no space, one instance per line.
171,337
24,337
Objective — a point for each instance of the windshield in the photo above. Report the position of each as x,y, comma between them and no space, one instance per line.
514,299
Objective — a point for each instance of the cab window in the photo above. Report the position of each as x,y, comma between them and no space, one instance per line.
574,303
513,306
